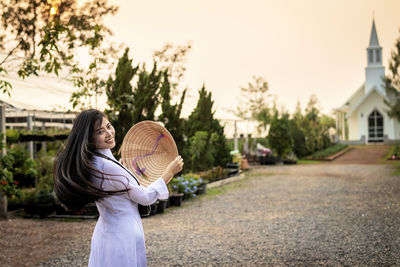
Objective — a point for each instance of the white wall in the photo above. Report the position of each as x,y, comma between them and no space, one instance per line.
353,127
374,101
396,129
373,78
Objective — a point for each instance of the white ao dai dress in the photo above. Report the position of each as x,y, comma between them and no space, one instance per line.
118,238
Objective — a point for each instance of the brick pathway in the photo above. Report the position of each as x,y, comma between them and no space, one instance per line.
370,154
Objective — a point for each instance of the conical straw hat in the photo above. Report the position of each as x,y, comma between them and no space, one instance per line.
147,149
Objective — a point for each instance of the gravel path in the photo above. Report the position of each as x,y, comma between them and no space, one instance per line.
306,215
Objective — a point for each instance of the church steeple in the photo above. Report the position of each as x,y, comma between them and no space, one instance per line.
373,39
374,53
374,70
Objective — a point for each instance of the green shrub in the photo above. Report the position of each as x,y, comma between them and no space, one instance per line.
7,183
45,162
45,197
30,196
23,167
213,174
330,151
394,152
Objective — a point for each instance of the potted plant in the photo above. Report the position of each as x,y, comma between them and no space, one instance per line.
153,208
161,205
192,183
30,202
176,189
45,203
202,188
175,199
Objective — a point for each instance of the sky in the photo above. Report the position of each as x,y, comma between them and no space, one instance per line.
300,47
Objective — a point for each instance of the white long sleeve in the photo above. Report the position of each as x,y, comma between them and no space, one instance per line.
118,178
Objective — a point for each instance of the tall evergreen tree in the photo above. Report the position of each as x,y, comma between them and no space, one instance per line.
392,83
170,115
120,98
299,138
220,144
146,94
202,120
202,116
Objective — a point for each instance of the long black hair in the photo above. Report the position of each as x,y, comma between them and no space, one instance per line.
73,167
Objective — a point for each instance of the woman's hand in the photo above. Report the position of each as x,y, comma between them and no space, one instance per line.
173,168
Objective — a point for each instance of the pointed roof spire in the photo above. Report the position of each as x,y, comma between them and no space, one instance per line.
373,40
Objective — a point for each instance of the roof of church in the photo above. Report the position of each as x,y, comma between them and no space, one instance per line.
354,107
354,98
373,40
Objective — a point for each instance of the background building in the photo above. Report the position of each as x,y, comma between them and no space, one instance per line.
363,118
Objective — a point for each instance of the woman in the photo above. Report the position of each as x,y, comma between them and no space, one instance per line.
86,171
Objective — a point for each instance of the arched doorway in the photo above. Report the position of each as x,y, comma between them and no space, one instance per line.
375,127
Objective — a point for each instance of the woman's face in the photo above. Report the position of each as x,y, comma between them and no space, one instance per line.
104,135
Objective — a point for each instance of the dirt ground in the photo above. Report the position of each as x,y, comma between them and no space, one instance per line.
27,242
370,154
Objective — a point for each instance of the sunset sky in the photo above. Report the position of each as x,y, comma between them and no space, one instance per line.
300,47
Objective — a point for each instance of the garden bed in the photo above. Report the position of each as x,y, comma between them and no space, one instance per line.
330,153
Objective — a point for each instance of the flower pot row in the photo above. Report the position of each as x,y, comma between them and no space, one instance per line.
42,210
175,199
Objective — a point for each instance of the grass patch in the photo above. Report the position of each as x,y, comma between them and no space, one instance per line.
396,166
397,171
258,173
213,192
393,151
309,161
330,151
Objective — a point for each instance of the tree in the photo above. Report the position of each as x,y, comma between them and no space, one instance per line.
279,135
172,59
146,94
89,81
202,116
120,98
42,37
253,100
131,105
311,125
392,83
312,112
219,144
314,127
202,119
197,148
171,113
298,135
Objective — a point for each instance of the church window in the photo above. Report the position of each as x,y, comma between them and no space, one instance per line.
375,126
377,56
370,56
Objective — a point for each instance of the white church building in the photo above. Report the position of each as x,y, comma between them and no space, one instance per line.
365,111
